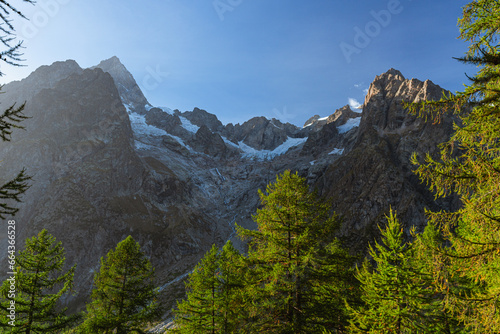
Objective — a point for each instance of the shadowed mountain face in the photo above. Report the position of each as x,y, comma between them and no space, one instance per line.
106,164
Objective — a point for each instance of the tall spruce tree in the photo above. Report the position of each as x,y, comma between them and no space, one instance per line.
298,274
469,166
212,304
39,283
124,296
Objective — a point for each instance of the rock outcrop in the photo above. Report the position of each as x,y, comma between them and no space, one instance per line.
342,115
261,133
376,173
201,117
125,83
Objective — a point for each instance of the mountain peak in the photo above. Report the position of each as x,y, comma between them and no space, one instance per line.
56,71
113,62
45,76
130,92
391,74
394,72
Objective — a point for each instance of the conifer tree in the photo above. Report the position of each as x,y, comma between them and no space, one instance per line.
212,302
39,284
469,166
298,274
398,294
124,296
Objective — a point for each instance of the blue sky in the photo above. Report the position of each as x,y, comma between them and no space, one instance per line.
288,59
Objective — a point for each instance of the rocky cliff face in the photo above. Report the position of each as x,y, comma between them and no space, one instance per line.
376,173
125,83
107,164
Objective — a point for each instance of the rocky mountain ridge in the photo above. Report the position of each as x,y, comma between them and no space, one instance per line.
107,164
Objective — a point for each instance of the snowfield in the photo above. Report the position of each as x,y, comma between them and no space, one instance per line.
250,152
349,125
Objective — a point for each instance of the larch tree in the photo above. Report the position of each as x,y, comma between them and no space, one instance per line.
469,166
39,283
124,294
298,274
439,304
12,116
212,304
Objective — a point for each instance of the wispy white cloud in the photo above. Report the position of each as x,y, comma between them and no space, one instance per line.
354,104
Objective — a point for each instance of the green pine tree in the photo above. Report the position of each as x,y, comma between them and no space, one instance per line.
124,295
297,274
469,166
212,304
389,290
232,270
39,283
398,294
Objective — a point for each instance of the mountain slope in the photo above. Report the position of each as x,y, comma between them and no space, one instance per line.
107,164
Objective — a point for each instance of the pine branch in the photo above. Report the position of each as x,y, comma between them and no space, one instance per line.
13,190
10,119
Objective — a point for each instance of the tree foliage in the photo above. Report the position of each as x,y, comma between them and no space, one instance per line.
469,166
398,293
12,116
124,295
298,274
295,277
212,304
12,55
39,285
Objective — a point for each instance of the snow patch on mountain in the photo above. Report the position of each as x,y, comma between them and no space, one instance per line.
250,152
167,110
141,128
228,142
337,151
350,124
186,124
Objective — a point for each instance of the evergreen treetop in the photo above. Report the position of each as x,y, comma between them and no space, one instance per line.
124,296
40,283
298,274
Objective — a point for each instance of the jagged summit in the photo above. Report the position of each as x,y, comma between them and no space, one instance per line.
393,72
110,62
311,120
385,97
129,91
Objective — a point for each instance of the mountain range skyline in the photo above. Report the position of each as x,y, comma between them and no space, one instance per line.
301,59
107,165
